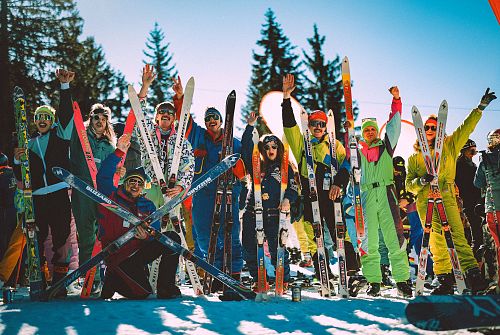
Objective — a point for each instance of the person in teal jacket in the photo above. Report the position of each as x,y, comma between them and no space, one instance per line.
417,182
380,204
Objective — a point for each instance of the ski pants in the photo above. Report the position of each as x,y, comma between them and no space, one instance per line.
494,228
53,210
381,211
203,212
437,241
85,214
249,240
305,235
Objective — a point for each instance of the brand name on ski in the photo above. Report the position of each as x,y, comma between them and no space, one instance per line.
200,186
98,194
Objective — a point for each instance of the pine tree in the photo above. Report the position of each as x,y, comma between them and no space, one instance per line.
323,82
269,67
157,54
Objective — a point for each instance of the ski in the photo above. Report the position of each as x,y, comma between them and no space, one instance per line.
435,200
128,130
313,195
353,149
337,208
89,159
224,191
28,215
284,221
259,218
449,312
104,201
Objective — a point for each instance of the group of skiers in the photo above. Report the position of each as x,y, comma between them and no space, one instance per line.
390,193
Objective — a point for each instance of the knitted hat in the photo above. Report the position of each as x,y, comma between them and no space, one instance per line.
398,163
469,144
213,111
317,115
47,110
370,122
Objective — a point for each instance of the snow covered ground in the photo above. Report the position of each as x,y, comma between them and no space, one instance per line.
208,315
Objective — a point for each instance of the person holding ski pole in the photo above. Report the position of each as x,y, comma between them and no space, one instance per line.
417,182
488,179
49,148
271,152
126,269
327,191
207,144
379,201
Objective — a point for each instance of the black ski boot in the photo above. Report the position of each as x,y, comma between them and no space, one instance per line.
386,275
356,283
230,294
475,281
445,287
60,271
373,289
405,289
168,292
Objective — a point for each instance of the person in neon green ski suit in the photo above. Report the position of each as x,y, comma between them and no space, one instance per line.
380,204
417,181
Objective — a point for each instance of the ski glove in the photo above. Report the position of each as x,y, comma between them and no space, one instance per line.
426,179
487,98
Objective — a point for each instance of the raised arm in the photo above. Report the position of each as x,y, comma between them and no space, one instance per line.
393,129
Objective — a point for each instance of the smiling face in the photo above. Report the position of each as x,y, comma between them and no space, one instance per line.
43,122
369,134
430,131
317,128
99,123
213,122
164,119
134,186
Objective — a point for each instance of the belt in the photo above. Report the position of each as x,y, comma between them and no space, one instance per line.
370,186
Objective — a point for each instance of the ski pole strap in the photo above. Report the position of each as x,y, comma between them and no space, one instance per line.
367,187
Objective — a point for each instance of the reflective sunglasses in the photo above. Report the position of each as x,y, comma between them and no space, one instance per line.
166,111
133,181
43,117
212,116
267,147
433,128
316,123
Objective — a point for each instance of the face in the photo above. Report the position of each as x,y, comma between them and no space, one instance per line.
430,131
369,134
164,119
99,123
134,186
43,122
317,128
271,149
213,122
470,152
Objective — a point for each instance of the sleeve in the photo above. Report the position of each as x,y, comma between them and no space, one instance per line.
193,130
291,130
287,114
460,136
65,115
393,129
480,177
412,178
247,148
292,190
107,171
186,166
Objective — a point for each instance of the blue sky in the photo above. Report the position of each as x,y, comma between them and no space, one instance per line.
433,50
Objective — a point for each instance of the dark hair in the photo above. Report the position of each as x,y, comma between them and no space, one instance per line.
281,149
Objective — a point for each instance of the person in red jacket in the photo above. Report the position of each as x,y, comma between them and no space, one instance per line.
126,269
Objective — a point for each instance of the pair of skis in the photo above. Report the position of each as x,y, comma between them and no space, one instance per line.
28,215
262,285
104,201
224,191
432,165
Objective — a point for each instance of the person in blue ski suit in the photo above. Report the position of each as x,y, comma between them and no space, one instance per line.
207,145
271,149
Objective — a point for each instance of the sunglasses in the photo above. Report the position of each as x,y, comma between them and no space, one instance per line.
212,116
43,117
433,128
314,124
166,111
133,181
269,146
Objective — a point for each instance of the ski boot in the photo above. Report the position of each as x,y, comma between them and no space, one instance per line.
445,287
405,289
386,275
60,271
230,294
356,284
168,292
373,289
475,281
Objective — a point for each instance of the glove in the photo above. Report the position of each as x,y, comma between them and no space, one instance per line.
486,99
426,179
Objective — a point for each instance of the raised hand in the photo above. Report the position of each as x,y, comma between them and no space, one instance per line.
148,74
64,76
487,98
252,118
288,85
177,87
123,143
394,90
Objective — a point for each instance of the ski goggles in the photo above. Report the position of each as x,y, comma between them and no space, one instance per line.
211,116
433,128
317,123
268,147
44,117
135,181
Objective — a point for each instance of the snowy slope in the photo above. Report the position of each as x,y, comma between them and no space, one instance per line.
192,315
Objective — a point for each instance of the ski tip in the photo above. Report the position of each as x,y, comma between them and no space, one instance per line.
190,82
330,113
414,110
232,94
444,104
345,60
58,171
